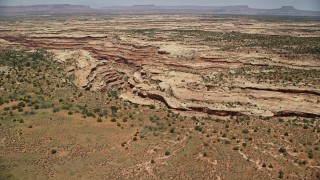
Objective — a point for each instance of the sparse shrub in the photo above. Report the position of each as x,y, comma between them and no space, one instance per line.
310,154
281,173
123,144
114,93
53,151
114,109
99,119
36,106
21,104
205,154
125,119
55,109
21,121
167,153
152,161
70,112
134,139
245,131
236,148
198,128
304,162
113,120
282,150
172,130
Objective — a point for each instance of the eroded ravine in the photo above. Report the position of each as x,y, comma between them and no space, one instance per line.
147,73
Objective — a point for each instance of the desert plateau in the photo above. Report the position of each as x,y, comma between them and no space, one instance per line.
159,96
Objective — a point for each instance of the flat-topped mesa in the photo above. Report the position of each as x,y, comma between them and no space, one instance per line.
288,8
50,8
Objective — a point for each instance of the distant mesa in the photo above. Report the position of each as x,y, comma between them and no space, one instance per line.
150,8
288,8
147,5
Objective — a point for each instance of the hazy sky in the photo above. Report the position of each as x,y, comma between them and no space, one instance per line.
299,4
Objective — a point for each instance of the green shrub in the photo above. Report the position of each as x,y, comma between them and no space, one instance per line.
125,119
55,109
281,173
21,104
282,150
36,106
310,154
172,130
245,131
198,128
53,151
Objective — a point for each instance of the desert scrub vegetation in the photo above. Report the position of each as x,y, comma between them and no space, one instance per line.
43,84
233,40
279,75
